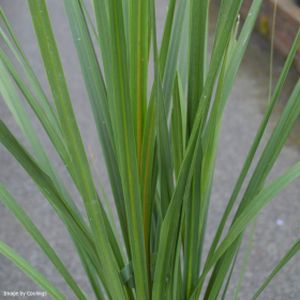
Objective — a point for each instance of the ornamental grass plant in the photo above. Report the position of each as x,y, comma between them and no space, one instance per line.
159,134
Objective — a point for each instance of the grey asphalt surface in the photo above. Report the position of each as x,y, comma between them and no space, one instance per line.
277,227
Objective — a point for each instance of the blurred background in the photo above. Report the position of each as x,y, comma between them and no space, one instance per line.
277,227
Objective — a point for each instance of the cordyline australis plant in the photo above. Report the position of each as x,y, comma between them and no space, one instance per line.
159,142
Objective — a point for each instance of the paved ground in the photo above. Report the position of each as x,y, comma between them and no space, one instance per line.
278,226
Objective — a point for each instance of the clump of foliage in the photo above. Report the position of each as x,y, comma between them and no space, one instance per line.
159,142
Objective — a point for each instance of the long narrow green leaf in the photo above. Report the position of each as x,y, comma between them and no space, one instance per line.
91,272
263,168
78,231
289,255
258,202
30,271
23,218
16,49
126,147
104,38
226,286
11,98
263,198
51,127
148,185
245,261
168,73
71,133
197,207
167,33
14,104
177,125
138,49
98,98
258,136
198,57
163,145
257,139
